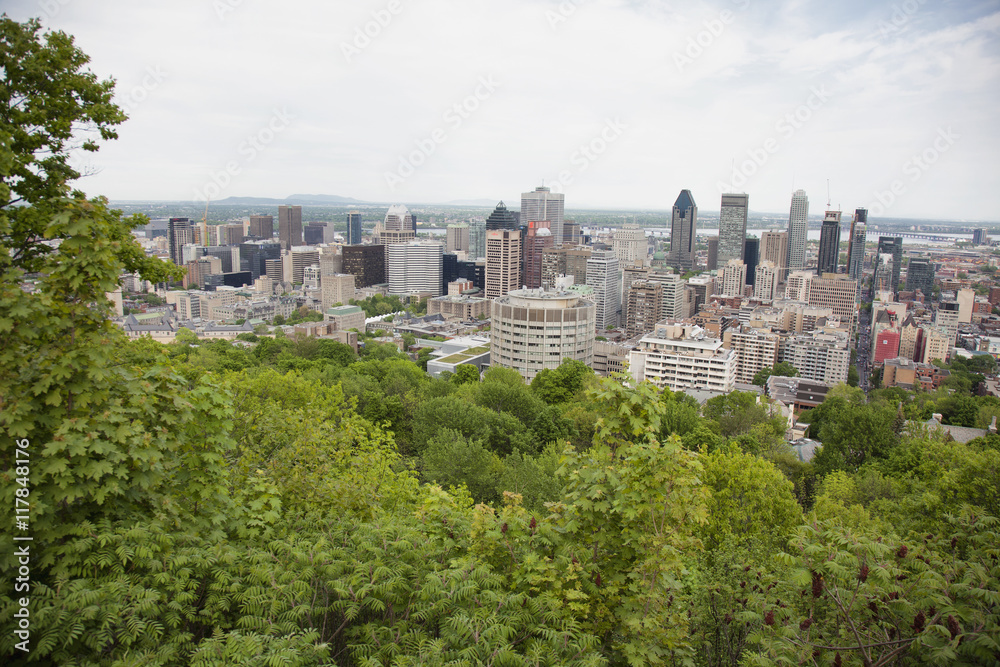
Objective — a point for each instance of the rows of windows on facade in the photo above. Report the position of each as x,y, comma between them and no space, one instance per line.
682,309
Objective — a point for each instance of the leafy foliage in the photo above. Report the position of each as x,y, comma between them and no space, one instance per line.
277,501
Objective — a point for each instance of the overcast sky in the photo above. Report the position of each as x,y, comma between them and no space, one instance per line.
617,103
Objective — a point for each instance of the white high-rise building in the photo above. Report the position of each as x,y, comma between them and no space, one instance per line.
755,349
543,204
604,276
732,227
821,355
734,277
798,229
398,226
765,286
797,288
414,267
630,245
673,293
681,356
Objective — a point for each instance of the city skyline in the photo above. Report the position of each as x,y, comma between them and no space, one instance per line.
909,86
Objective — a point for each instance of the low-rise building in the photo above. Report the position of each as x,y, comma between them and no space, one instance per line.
346,317
472,350
799,393
610,357
459,306
908,374
681,356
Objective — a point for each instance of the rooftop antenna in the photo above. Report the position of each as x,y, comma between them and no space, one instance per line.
828,194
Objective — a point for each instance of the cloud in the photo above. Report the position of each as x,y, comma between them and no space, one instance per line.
367,81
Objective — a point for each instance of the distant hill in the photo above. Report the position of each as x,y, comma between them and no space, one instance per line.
472,202
322,199
293,200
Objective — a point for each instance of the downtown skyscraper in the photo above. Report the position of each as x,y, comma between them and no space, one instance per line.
604,276
261,226
856,245
774,248
543,204
732,227
829,244
179,234
353,228
289,226
683,228
891,245
798,228
503,253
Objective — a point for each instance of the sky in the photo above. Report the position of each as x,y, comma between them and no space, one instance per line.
620,104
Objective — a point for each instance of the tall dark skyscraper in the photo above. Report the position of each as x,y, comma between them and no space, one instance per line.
732,227
289,226
255,255
920,276
893,245
353,228
860,217
262,226
856,246
179,234
683,227
366,263
829,244
449,270
501,218
712,261
751,257
473,271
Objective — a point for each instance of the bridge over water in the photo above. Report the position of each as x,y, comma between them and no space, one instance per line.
873,236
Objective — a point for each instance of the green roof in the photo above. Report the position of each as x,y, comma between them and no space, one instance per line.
462,357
